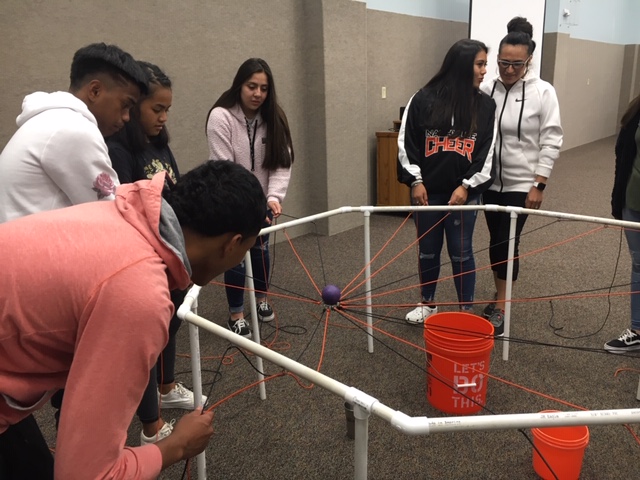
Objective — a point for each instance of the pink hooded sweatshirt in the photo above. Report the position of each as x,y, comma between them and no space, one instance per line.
84,305
229,140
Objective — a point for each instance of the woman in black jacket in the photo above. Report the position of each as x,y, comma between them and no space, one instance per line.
625,205
445,148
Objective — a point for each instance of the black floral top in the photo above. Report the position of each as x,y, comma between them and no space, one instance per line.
133,167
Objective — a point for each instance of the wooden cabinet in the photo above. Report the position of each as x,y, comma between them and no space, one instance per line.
390,191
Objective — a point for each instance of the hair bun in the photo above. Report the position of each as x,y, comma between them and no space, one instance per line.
520,24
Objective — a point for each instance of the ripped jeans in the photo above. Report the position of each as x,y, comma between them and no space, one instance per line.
458,228
633,240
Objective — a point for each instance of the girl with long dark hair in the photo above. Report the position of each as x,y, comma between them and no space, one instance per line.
138,152
445,146
247,125
625,205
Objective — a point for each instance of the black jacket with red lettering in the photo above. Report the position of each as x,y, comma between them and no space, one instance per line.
442,161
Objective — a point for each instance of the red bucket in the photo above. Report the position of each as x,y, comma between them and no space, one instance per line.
459,349
563,449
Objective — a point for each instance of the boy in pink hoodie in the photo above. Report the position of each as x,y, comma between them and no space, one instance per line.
73,314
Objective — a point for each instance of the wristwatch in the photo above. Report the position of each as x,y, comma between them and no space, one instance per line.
540,186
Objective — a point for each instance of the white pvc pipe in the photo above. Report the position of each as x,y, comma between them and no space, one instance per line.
367,273
190,303
422,425
316,377
560,215
530,420
359,400
303,220
513,211
255,326
489,207
194,341
509,285
364,405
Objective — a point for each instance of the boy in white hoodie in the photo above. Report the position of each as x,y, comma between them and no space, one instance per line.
58,156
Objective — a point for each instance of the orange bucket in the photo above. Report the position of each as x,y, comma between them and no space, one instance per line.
563,449
459,349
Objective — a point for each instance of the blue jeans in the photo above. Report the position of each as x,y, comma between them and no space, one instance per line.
633,240
458,229
234,279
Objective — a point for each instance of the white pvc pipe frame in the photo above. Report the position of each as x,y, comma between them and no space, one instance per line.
364,404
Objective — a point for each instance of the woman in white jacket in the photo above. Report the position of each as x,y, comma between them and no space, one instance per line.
529,137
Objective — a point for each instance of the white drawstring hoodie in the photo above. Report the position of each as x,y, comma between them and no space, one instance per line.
529,134
56,159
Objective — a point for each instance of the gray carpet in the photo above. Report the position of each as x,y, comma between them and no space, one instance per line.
300,432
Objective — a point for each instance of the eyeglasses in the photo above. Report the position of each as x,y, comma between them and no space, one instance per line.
516,65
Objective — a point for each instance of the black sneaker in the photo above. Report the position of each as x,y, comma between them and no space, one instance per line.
497,320
239,327
489,309
265,312
627,342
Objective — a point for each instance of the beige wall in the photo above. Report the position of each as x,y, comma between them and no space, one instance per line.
594,81
345,104
200,45
630,87
330,59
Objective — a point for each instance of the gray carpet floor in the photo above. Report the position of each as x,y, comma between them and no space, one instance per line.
570,299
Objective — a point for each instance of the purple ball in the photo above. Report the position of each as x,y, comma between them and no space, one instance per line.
331,295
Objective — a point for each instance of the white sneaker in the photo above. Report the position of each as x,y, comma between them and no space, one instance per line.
179,397
164,432
420,313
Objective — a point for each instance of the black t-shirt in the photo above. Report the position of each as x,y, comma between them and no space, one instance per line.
131,168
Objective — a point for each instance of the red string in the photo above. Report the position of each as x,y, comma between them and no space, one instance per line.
346,290
301,262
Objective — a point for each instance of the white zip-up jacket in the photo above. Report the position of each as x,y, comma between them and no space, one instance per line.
529,133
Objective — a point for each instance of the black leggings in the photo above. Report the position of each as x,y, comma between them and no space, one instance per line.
498,224
23,452
163,372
